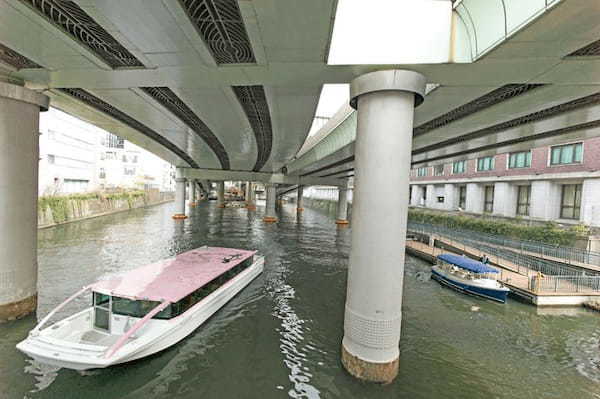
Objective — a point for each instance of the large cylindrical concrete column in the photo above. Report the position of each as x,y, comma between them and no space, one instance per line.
180,183
300,199
221,194
251,197
385,101
342,206
19,161
193,194
270,214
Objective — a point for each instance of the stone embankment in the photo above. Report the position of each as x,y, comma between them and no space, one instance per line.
55,210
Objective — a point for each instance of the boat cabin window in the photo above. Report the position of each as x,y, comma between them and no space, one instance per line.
102,311
137,308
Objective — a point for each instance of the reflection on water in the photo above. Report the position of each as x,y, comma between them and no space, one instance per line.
280,337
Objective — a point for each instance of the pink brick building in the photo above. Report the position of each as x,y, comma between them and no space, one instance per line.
559,183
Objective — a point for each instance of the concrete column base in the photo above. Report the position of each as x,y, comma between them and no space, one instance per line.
300,209
193,204
251,207
270,219
221,206
342,222
382,373
179,216
16,310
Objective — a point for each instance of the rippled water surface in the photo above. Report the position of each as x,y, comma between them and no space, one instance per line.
281,336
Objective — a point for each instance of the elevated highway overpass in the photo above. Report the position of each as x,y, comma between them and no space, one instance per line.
228,89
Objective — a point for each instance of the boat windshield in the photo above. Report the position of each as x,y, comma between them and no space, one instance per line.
466,274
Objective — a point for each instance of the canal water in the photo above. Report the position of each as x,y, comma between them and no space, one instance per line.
281,336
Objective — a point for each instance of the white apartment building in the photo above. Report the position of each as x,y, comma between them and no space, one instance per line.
76,157
67,154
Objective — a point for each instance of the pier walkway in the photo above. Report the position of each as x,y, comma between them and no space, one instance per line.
528,284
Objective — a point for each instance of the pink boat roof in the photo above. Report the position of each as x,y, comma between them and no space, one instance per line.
175,278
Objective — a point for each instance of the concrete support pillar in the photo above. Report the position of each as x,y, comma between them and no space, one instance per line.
199,191
180,185
475,198
193,194
221,194
247,193
590,202
451,197
342,206
505,199
300,199
385,101
431,200
251,197
270,215
545,200
415,193
19,161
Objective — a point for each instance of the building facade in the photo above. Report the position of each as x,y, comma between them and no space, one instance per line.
67,154
554,183
76,157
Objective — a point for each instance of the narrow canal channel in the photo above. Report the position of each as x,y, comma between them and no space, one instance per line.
281,336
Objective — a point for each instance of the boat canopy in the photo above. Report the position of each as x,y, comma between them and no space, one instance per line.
467,263
173,279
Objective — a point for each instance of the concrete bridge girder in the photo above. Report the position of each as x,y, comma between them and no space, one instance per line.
272,178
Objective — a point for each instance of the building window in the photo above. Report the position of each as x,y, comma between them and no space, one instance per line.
438,170
459,167
488,203
570,203
462,197
124,158
134,160
114,141
102,173
129,171
519,160
523,200
566,154
51,159
485,163
421,172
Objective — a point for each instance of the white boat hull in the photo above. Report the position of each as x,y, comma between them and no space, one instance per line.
159,335
485,288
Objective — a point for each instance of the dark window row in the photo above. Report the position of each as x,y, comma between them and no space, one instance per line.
135,308
565,154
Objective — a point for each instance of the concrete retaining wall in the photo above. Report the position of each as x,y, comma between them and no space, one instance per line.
79,209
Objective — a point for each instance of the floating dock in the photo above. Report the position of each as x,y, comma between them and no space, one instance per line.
516,277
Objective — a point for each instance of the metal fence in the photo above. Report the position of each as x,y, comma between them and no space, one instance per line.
569,284
543,275
523,263
566,254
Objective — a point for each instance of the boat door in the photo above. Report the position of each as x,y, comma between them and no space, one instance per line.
102,312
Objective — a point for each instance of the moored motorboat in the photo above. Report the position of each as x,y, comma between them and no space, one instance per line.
143,311
469,276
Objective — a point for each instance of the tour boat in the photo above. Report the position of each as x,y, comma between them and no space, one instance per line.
143,311
469,276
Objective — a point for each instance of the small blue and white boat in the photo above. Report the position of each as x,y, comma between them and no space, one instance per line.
469,276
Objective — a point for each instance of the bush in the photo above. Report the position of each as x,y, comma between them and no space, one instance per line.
549,233
58,204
